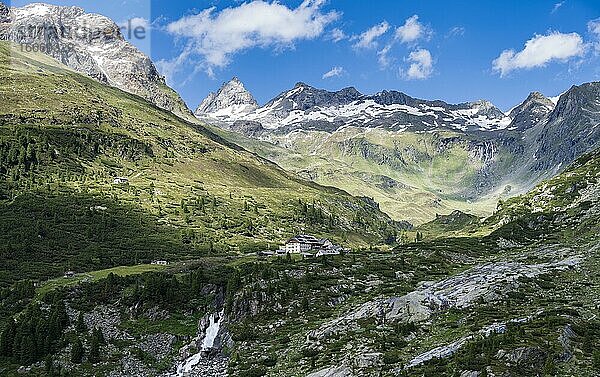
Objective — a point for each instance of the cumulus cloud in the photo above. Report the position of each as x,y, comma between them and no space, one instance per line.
421,65
337,35
539,51
368,39
411,31
334,72
215,36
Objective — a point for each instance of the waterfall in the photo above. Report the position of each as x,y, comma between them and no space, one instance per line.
212,331
214,325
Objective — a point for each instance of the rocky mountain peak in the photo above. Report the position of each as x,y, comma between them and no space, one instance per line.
305,97
486,108
575,120
102,53
535,108
231,96
575,99
350,92
393,97
301,84
4,13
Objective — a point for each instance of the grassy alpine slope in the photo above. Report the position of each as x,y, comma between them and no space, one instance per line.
413,176
515,294
520,300
65,137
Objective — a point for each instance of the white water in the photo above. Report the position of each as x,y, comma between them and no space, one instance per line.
212,331
210,335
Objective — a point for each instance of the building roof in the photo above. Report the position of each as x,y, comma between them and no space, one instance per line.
303,238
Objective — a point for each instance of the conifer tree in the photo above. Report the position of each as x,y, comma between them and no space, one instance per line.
77,351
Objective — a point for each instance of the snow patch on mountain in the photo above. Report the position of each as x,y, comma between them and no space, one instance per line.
305,107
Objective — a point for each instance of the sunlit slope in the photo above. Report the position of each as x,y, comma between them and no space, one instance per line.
63,135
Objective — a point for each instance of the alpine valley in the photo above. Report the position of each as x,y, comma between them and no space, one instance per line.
416,158
323,234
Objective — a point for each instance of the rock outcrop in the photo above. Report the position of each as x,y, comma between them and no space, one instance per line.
534,109
231,100
91,44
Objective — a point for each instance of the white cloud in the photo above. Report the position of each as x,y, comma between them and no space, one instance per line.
337,35
557,5
215,36
456,31
368,38
539,51
421,66
134,23
334,72
382,56
412,30
594,27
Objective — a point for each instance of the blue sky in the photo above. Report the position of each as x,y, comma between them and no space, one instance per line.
451,50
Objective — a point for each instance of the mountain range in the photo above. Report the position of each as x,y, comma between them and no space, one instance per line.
416,157
139,240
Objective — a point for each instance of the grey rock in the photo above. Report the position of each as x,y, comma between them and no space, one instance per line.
459,291
4,14
470,373
565,339
156,314
92,44
340,371
532,111
527,356
130,366
248,127
158,345
574,121
231,94
107,319
368,360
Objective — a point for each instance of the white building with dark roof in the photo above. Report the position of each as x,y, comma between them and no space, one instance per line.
304,243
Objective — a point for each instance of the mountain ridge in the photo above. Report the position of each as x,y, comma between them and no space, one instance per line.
105,56
390,146
327,110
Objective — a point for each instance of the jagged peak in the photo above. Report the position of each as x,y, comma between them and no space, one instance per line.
533,99
574,98
301,84
235,81
231,93
532,110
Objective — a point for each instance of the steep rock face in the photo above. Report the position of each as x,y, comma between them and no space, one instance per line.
534,109
232,99
572,128
248,127
304,97
91,44
4,13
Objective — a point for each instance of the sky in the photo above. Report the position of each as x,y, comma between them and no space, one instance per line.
456,51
